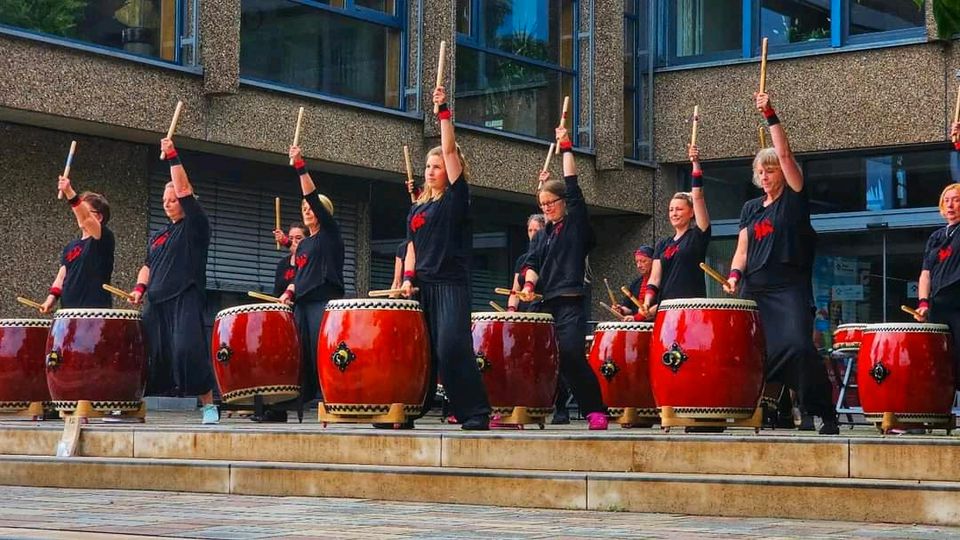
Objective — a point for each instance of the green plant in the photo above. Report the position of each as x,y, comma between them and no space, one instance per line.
57,17
947,15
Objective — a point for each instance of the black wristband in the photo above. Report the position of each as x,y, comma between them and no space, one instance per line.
174,161
442,107
74,201
772,120
696,180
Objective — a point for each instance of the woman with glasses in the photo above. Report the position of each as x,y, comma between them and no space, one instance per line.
774,260
438,262
675,272
557,263
86,262
287,265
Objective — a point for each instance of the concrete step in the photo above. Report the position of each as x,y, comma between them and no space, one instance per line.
716,494
787,456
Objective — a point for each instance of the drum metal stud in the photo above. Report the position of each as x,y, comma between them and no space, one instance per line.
674,357
342,356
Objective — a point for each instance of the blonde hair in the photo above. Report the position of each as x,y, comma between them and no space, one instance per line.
684,196
427,194
943,210
325,201
766,157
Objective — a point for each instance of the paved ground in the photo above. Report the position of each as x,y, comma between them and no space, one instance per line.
71,513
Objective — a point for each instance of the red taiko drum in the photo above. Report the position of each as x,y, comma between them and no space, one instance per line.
619,357
847,337
907,369
256,351
96,355
23,349
706,357
373,353
517,356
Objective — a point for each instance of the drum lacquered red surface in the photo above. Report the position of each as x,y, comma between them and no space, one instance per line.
23,351
706,357
373,353
96,355
847,337
518,359
906,369
619,357
256,351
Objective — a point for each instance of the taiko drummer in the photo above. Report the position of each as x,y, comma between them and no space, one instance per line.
774,260
438,262
86,262
535,224
173,280
287,265
643,261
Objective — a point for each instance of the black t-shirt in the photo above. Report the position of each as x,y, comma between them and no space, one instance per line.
779,235
319,258
402,255
177,255
284,275
680,274
942,258
442,237
89,264
558,254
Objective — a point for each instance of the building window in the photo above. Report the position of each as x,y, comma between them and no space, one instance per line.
637,81
516,60
699,31
149,28
348,48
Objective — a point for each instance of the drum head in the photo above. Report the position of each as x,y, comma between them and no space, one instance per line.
97,313
850,326
625,326
25,323
907,327
735,304
254,308
512,316
373,303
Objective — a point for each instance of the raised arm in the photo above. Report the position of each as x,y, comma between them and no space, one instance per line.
448,139
181,184
566,148
696,191
791,171
88,222
308,187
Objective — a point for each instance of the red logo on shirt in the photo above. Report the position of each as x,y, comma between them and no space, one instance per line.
670,252
160,240
762,229
301,261
289,274
74,253
944,253
417,221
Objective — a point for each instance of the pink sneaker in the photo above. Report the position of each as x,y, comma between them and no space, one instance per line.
597,421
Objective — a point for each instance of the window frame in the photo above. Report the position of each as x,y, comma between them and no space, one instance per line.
399,22
78,44
638,97
473,41
840,39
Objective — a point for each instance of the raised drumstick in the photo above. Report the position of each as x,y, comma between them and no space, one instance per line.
29,303
763,66
762,135
276,213
632,298
120,293
66,168
296,132
956,113
696,124
613,299
496,306
563,118
265,297
173,123
409,165
546,163
441,64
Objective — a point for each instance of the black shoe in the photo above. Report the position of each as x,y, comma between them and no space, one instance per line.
560,418
387,425
704,429
270,415
806,423
830,427
480,422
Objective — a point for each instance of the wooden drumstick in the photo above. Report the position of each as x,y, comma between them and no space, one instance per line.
763,66
956,113
717,276
546,163
29,303
696,123
173,123
296,132
508,292
120,293
563,118
762,135
406,160
496,306
909,310
613,299
389,292
441,64
632,298
276,213
66,168
265,297
612,311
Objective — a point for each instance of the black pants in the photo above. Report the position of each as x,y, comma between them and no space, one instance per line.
786,315
570,320
309,315
945,309
178,356
446,308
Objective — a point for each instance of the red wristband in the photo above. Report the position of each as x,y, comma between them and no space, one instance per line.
170,155
55,292
285,241
140,288
409,274
528,287
735,274
445,114
956,145
566,146
923,304
768,112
